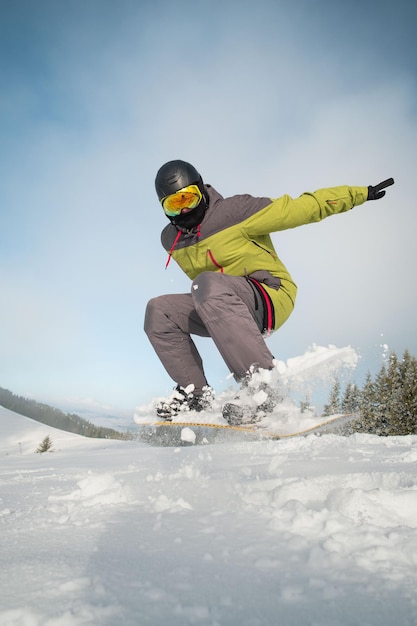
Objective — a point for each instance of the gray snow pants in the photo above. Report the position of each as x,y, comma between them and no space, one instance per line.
223,307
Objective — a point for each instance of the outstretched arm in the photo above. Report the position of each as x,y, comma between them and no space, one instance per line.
287,212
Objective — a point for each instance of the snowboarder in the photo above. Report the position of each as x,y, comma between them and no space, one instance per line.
240,291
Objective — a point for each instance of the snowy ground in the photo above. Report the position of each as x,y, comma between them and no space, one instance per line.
318,531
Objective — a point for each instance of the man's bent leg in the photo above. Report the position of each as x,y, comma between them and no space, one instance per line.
227,305
169,321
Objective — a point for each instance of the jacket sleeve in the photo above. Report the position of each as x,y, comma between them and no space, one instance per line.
286,212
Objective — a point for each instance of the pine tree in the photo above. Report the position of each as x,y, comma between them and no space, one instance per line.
333,407
383,405
368,405
305,405
386,405
351,399
45,445
407,417
389,405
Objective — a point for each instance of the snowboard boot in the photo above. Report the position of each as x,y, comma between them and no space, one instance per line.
253,402
184,399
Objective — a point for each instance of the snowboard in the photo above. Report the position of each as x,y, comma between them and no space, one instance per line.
183,433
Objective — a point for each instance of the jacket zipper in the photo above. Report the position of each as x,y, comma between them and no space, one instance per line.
274,256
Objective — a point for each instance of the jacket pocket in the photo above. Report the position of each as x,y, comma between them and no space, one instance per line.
265,277
213,260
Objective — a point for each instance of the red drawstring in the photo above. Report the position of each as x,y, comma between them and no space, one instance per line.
172,248
175,243
269,317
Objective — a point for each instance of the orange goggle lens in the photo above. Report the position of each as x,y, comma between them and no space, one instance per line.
186,198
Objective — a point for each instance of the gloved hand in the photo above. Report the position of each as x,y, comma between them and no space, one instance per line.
375,193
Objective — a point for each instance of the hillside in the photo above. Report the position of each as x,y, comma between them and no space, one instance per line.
56,418
22,435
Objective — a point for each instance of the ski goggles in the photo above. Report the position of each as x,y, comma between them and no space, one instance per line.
186,198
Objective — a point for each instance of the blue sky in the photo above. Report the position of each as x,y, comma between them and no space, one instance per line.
267,98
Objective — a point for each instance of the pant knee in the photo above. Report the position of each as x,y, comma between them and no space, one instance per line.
205,286
154,309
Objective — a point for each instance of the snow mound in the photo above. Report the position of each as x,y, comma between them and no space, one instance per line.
316,530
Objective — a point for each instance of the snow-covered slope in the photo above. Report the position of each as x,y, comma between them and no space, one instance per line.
317,530
21,435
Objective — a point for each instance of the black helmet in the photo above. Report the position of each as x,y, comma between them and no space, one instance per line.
176,175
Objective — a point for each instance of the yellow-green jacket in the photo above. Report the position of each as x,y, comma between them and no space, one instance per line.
234,237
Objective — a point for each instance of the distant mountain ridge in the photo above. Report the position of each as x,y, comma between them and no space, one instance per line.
50,416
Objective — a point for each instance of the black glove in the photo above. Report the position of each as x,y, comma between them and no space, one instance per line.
375,193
